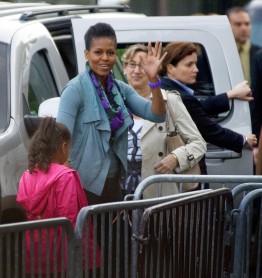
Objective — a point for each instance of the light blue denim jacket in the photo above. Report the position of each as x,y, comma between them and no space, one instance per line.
82,112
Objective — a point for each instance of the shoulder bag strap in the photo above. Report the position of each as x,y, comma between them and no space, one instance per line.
170,107
171,126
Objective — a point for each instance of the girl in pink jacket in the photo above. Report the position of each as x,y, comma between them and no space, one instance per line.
50,189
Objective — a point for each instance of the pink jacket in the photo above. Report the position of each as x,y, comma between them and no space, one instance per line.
57,193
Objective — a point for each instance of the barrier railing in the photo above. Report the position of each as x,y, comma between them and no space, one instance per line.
223,180
187,237
113,229
37,248
116,230
21,244
248,234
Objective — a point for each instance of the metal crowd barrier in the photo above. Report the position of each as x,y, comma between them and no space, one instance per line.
21,246
116,230
187,237
112,226
248,232
113,229
245,188
220,180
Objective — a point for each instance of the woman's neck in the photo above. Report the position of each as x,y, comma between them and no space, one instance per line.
144,92
103,83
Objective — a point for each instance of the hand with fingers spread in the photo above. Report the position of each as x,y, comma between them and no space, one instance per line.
152,63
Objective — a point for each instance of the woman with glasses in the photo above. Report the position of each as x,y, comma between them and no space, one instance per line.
147,150
95,107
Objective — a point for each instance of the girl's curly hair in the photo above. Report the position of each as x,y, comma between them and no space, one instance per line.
46,142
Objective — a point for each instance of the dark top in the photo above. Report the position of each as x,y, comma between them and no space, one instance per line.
211,131
256,86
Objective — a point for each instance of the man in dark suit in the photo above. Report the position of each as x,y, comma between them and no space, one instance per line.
240,22
257,89
179,70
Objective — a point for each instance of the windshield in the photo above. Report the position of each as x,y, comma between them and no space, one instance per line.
3,86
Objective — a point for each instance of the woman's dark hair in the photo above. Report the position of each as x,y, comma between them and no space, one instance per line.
99,30
176,51
46,142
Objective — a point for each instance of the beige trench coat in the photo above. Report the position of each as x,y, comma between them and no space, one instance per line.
153,145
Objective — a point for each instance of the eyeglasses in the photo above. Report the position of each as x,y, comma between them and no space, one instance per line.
133,65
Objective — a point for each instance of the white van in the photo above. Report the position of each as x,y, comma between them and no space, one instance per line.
42,49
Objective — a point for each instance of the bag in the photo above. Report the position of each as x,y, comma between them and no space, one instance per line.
174,141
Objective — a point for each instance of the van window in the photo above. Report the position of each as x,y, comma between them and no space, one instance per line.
204,85
42,84
67,52
3,87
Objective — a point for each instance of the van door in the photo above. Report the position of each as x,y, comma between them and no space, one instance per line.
43,74
34,73
222,65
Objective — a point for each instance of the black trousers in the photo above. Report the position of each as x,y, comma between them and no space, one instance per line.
112,192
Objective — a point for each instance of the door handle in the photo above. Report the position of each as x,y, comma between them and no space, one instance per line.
222,154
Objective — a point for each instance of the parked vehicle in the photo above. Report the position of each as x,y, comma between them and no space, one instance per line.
44,48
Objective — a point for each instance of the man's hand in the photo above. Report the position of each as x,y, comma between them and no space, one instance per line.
251,141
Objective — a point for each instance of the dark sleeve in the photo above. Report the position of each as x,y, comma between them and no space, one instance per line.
257,94
214,105
211,131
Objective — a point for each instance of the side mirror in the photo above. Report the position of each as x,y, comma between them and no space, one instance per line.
47,108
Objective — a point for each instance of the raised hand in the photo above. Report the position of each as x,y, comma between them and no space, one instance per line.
153,61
